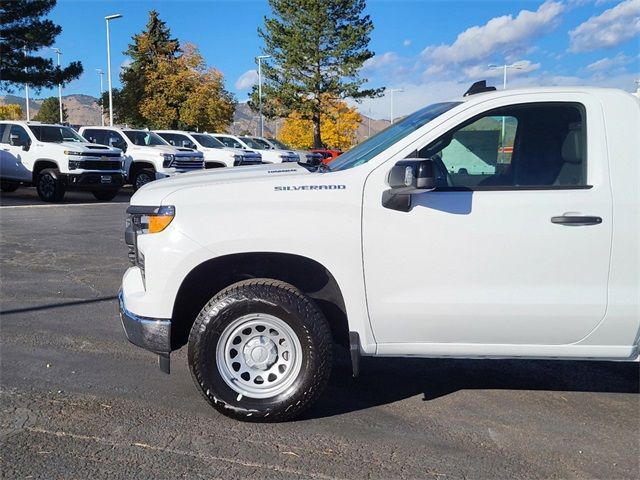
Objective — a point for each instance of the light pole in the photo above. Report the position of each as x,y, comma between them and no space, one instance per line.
106,19
505,67
26,85
58,53
260,58
101,73
392,91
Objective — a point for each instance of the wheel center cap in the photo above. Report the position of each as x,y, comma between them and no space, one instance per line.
260,352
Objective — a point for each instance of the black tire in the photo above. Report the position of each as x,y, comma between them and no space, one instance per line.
105,195
9,187
142,177
49,186
269,298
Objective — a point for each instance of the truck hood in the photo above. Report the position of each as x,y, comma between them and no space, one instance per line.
153,193
164,149
85,147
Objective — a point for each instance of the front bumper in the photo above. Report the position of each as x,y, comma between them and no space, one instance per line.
94,180
153,334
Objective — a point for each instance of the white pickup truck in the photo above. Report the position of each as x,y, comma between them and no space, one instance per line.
216,154
269,155
397,249
147,155
54,159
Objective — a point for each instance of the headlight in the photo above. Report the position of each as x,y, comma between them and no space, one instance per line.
73,164
150,219
167,159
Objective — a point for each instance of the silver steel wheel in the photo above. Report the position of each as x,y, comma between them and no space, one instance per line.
259,356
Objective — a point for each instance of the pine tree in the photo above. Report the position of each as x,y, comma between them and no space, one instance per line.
148,48
317,49
50,111
23,33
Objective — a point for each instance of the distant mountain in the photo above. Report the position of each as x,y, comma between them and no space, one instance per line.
84,110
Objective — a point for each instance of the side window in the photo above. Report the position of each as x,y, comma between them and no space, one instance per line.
228,142
94,136
114,139
18,136
520,146
169,137
2,129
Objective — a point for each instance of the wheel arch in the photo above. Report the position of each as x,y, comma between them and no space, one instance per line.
40,164
212,276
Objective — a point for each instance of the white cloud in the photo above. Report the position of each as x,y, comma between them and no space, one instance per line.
406,42
620,60
500,34
610,28
484,71
380,61
247,80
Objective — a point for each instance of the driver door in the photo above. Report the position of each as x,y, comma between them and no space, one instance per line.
480,260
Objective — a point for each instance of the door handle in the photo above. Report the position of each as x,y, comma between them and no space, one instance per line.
576,220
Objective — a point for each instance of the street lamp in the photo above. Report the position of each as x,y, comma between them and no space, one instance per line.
58,53
26,85
392,91
106,19
101,73
259,58
515,66
505,67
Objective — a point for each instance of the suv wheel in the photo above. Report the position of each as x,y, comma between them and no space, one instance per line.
50,187
8,187
142,177
105,195
260,350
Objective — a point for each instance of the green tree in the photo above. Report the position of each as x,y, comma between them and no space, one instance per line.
317,49
23,33
50,111
148,48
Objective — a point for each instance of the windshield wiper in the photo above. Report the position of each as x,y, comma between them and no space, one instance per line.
320,168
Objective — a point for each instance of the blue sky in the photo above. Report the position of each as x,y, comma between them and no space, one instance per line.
430,49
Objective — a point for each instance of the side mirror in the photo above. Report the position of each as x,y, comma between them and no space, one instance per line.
14,140
408,177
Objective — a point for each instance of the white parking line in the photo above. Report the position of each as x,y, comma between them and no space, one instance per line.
62,205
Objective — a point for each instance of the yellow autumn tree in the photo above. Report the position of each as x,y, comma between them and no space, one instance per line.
182,93
338,124
10,112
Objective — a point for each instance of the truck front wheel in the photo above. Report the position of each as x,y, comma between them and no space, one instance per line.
49,186
260,350
142,177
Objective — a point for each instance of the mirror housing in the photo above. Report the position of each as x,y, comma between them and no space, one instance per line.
407,177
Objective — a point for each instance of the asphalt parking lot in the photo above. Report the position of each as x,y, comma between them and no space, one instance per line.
78,401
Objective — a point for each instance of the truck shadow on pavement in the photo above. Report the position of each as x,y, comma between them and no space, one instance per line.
386,380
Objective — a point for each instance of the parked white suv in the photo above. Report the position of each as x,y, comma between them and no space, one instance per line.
55,158
147,156
248,143
216,154
399,248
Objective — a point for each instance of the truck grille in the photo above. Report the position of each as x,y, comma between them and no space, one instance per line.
100,165
188,163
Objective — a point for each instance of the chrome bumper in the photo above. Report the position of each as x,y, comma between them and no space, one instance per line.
152,334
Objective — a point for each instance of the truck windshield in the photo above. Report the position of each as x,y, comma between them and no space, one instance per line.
279,144
207,140
142,137
253,143
55,134
392,134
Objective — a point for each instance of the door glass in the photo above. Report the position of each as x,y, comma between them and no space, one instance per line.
21,133
521,146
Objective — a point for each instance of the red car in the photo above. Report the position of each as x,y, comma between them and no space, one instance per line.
329,155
